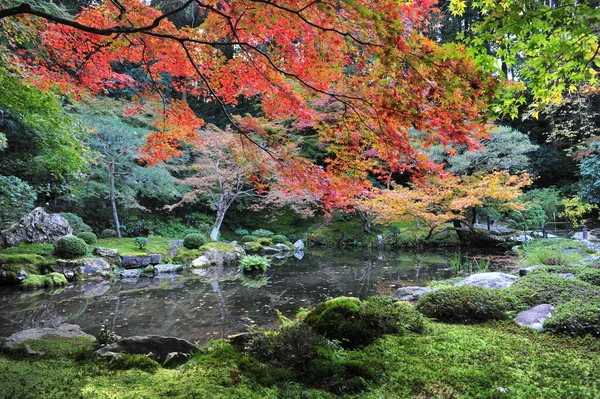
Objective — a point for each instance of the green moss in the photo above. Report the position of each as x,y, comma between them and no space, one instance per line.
466,304
576,318
538,288
126,246
20,259
252,247
43,250
186,256
126,361
219,246
35,281
265,242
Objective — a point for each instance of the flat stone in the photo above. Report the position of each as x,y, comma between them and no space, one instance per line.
134,262
108,253
63,330
95,267
159,348
130,273
565,275
494,280
155,259
534,318
411,293
167,269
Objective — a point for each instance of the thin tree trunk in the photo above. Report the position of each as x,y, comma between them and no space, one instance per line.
221,210
113,201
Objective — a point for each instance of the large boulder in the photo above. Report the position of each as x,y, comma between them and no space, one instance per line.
535,317
489,280
161,349
63,330
95,267
37,227
108,253
215,257
411,293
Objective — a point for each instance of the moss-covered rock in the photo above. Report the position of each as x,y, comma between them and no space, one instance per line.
124,361
35,281
539,288
252,247
576,318
466,304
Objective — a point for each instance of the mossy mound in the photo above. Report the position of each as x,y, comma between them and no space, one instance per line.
124,361
466,304
35,281
576,318
538,288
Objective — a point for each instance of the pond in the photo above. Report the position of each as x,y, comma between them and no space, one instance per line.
217,304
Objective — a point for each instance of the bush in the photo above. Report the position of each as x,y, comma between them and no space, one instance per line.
108,233
16,199
265,242
76,223
248,238
89,237
466,304
106,337
263,233
538,288
141,242
280,239
576,318
70,247
241,232
252,263
392,317
194,241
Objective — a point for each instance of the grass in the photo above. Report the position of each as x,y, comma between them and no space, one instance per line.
43,250
128,246
553,252
493,360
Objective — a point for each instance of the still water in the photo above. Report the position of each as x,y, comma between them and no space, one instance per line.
218,302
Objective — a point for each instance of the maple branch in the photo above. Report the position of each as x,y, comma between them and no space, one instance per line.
25,8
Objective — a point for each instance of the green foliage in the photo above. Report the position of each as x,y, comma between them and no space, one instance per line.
537,288
576,318
248,238
262,233
589,275
166,226
392,317
76,223
253,263
125,361
16,199
265,242
194,241
70,247
549,199
156,245
530,218
576,210
241,232
466,304
141,242
106,337
35,281
89,237
280,239
252,247
589,169
552,252
108,233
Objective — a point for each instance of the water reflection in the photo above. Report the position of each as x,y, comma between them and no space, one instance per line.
215,303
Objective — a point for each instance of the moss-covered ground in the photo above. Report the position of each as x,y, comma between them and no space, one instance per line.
495,360
128,246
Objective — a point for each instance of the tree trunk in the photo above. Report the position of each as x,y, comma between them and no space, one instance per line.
365,221
221,210
113,201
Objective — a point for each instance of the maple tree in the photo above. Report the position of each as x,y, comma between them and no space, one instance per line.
440,200
361,73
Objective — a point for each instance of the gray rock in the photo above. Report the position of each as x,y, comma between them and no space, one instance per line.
63,330
155,259
108,253
200,262
299,245
535,317
591,260
282,248
489,280
167,269
411,293
36,227
174,246
216,257
95,267
134,262
130,273
299,254
579,236
161,349
565,275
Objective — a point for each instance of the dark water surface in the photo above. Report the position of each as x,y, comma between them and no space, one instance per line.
219,302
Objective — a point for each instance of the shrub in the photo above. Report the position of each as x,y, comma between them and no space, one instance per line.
70,247
141,242
576,318
538,288
108,233
466,304
16,199
106,337
249,238
89,237
125,361
252,263
263,233
280,239
76,223
194,241
241,232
